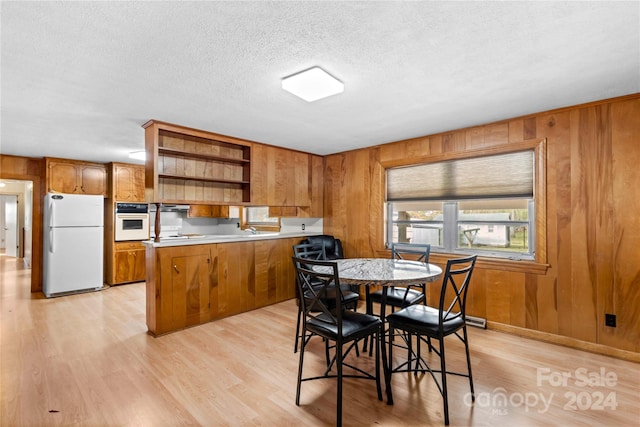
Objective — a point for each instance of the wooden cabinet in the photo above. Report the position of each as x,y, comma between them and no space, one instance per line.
124,262
128,263
75,177
127,182
178,296
284,178
213,211
280,211
193,166
189,285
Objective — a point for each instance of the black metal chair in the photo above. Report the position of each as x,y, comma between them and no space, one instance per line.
437,323
317,253
332,249
334,324
331,245
399,297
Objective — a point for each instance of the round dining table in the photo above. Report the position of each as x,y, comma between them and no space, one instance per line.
385,272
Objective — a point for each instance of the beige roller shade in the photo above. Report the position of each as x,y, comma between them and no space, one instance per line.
501,175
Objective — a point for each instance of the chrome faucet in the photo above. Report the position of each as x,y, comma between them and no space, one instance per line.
252,230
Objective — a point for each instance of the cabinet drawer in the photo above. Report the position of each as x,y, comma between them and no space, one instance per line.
128,246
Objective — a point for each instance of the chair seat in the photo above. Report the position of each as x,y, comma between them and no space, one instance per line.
423,320
396,297
354,326
348,297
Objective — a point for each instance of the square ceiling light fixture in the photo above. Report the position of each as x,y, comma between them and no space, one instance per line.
312,84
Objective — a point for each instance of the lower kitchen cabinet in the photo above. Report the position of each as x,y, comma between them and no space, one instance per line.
194,284
128,262
178,293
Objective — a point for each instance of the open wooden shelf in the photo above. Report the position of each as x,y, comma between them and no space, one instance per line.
203,179
195,166
178,153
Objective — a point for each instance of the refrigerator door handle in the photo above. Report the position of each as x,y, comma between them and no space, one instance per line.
52,212
51,222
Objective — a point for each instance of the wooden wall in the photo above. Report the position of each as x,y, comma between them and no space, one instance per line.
593,222
30,169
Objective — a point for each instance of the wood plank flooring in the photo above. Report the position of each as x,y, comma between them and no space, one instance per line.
86,360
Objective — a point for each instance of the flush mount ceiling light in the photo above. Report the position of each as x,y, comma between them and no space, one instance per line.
312,84
138,155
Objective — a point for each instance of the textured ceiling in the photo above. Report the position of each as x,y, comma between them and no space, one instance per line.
80,78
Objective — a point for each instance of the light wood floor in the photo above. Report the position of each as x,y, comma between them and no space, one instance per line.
86,360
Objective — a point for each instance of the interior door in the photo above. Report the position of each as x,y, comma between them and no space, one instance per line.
11,225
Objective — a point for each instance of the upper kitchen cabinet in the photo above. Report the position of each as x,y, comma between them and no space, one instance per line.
287,178
75,177
127,182
213,211
186,165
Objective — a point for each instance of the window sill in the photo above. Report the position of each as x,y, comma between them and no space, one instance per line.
489,263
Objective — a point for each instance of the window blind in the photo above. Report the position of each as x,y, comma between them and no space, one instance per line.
501,175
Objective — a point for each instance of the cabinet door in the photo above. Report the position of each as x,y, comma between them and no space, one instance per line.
128,182
62,178
282,178
200,211
93,180
302,182
139,272
235,287
190,285
129,266
213,211
122,266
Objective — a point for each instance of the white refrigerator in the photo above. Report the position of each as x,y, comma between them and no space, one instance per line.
73,243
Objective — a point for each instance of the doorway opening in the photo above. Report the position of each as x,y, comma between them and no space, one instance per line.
16,221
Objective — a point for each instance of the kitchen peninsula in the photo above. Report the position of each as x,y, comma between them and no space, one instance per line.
194,281
203,275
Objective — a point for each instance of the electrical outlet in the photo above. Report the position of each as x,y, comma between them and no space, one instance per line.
610,320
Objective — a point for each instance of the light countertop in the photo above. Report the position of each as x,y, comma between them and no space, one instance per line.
225,238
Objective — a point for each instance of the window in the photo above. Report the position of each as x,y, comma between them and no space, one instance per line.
483,205
259,215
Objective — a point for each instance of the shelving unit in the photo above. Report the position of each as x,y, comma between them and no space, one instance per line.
192,166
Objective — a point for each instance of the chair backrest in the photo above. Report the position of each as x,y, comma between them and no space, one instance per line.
455,284
332,246
314,280
309,251
421,250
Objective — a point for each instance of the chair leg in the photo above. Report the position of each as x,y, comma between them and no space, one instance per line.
418,355
378,343
466,347
443,367
339,397
383,331
295,345
300,372
369,310
326,351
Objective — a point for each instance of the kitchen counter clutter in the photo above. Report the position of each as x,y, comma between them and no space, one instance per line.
191,281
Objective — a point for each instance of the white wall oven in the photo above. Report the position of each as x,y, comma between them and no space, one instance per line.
131,221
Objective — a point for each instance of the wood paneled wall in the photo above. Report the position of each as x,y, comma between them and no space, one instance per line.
593,222
30,169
